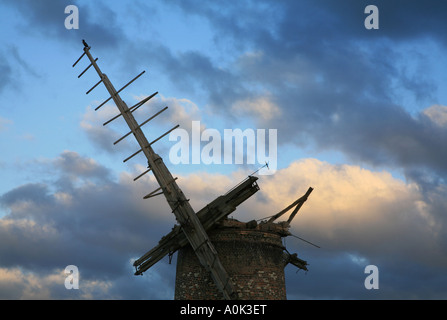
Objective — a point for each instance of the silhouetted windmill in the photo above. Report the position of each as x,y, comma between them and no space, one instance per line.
193,227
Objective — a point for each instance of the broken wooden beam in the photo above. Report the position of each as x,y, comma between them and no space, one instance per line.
298,203
293,259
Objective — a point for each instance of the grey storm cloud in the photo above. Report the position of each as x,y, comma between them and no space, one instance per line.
335,83
5,72
291,22
47,18
100,223
97,224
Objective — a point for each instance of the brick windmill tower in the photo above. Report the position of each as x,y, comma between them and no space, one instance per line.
219,258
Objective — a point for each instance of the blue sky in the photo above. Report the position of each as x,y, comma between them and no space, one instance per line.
361,116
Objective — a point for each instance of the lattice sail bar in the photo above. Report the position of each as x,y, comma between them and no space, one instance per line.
116,93
140,125
133,108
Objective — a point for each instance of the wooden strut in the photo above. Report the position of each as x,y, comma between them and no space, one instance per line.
136,178
79,59
94,87
140,125
164,134
153,194
116,93
131,109
185,215
87,68
298,203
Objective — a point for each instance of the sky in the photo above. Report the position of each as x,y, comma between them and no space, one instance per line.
360,116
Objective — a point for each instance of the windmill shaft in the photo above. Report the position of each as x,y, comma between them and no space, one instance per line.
211,214
180,206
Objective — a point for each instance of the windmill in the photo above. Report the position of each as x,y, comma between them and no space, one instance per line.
192,226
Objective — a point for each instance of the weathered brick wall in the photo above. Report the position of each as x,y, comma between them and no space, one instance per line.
253,257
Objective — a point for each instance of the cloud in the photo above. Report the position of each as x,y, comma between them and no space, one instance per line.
181,111
102,136
100,224
14,52
47,18
89,220
82,216
260,107
195,73
5,72
15,285
351,206
72,163
336,85
18,284
358,217
437,114
305,19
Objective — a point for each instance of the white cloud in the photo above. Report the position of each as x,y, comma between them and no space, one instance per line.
437,114
180,110
261,107
351,209
355,209
104,136
16,283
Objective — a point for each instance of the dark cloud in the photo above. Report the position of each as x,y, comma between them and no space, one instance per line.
100,224
95,223
23,64
194,72
341,275
297,24
5,72
338,85
72,164
47,18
